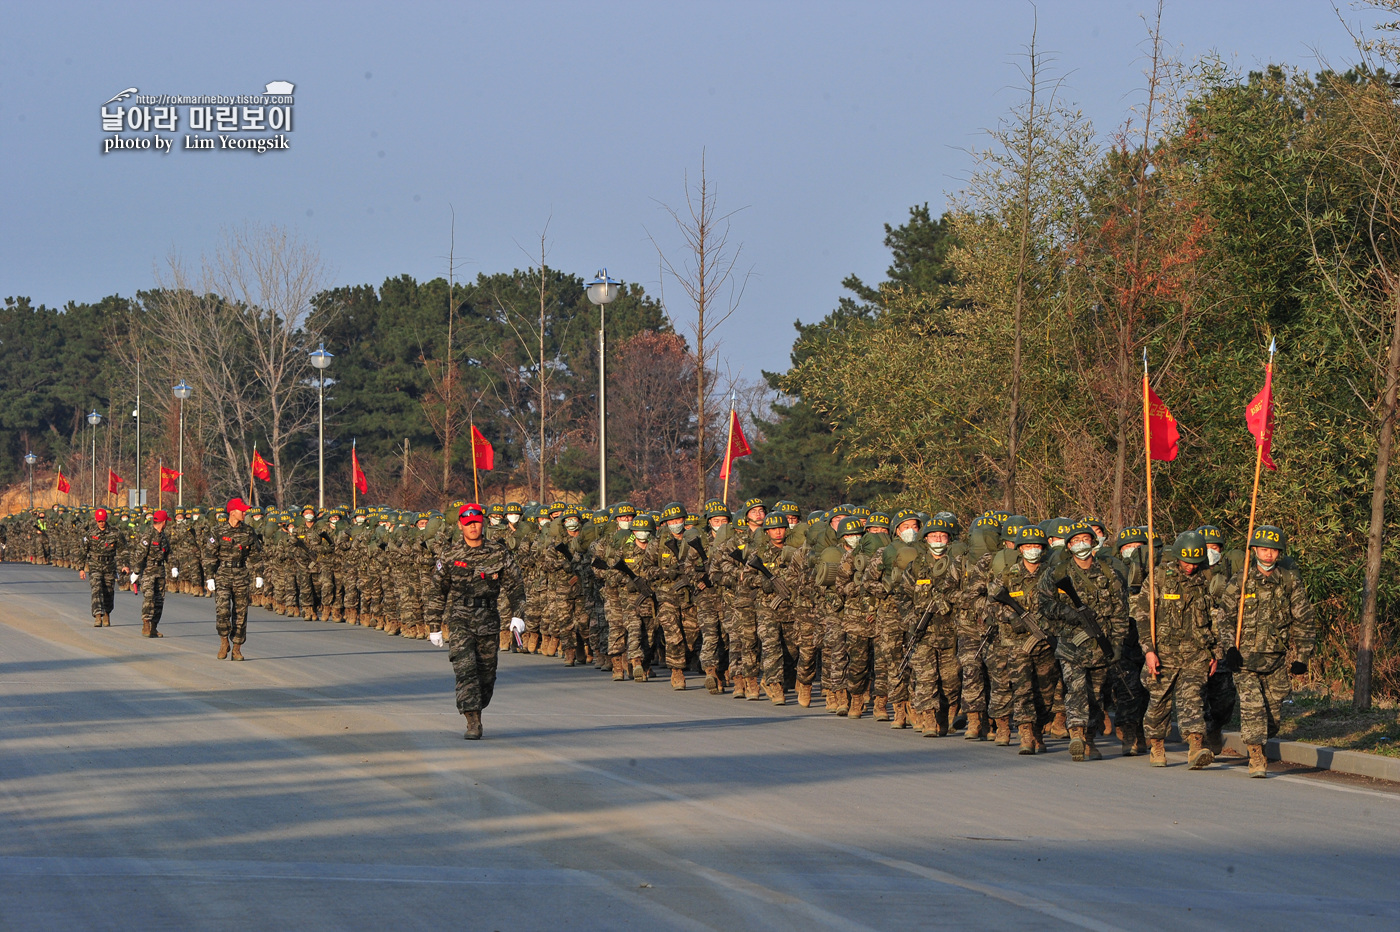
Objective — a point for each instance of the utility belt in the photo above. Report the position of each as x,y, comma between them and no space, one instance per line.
474,601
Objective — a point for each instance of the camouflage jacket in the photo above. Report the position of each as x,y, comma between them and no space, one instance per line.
1278,617
468,581
1185,632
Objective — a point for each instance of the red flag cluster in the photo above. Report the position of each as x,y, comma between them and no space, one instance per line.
357,474
169,480
113,480
260,467
738,446
483,457
1162,434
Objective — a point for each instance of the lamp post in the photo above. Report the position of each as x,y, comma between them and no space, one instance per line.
93,420
182,391
31,459
602,291
136,414
321,359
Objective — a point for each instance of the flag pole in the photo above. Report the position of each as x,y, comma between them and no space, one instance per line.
1254,496
476,488
160,486
1151,537
728,449
354,487
250,473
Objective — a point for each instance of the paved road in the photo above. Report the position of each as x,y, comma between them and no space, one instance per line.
323,784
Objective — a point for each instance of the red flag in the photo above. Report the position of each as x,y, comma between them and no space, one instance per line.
482,455
1259,415
63,485
1161,429
260,468
113,480
738,446
358,474
169,480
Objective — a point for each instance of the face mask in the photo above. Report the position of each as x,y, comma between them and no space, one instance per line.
1127,552
851,540
1265,567
624,524
642,535
1031,554
1056,542
495,521
908,534
359,519
1100,537
676,527
512,518
571,523
1213,556
1081,549
937,548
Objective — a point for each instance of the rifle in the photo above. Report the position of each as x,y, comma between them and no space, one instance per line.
914,639
698,546
1005,598
642,586
564,551
780,587
1091,626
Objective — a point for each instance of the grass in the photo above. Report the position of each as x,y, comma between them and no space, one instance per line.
1317,718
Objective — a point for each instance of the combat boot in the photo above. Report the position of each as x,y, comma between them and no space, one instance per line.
752,688
223,647
1215,740
901,715
955,714
1058,728
391,628
1038,735
154,632
974,727
1003,738
843,701
619,669
97,620
570,655
532,642
856,708
505,640
1027,739
1258,763
739,691
639,671
1158,754
145,627
1198,756
804,695
237,653
352,616
881,711
1107,725
1091,750
712,682
308,614
473,732
677,678
1139,740
776,694
1076,744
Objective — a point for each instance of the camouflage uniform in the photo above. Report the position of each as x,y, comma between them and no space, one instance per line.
777,620
1278,618
668,567
1185,645
464,596
100,550
151,557
936,583
1020,664
233,556
740,610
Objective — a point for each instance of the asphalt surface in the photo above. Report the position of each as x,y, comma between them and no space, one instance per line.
324,784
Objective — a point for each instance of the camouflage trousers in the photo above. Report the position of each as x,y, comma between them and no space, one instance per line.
833,652
350,597
1125,692
744,658
809,646
680,630
624,626
231,595
1184,686
1220,700
860,655
935,677
535,605
1261,702
305,599
1083,687
152,586
889,653
568,619
104,590
329,591
709,604
777,635
473,645
1027,679
972,669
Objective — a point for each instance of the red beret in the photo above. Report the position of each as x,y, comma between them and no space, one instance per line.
159,516
235,504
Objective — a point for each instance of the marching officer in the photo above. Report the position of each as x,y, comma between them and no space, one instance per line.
234,554
100,550
152,555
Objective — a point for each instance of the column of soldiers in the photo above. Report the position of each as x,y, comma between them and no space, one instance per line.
1008,630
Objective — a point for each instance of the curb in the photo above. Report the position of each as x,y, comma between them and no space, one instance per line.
1358,763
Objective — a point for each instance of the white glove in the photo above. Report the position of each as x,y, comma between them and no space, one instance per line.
134,577
209,584
435,638
174,572
517,625
257,581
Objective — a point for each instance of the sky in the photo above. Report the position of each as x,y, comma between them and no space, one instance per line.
818,122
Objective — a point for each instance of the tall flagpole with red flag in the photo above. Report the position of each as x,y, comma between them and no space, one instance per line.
1259,417
1159,444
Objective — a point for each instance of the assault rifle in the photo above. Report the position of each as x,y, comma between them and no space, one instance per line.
1092,628
916,637
1023,616
780,587
640,584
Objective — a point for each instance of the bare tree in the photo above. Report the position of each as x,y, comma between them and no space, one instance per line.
708,275
440,404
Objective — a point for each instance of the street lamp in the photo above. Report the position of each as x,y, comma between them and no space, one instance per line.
31,459
93,420
602,291
182,391
321,359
